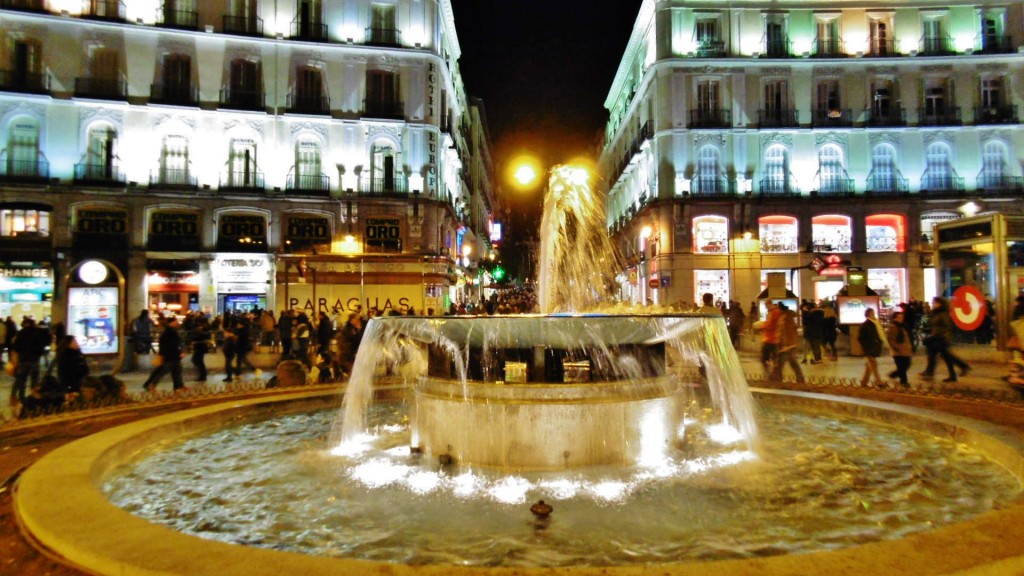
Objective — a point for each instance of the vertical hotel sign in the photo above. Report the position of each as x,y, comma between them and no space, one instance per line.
432,135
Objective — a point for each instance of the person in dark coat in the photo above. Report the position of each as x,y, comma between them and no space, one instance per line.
285,327
324,333
814,331
170,357
243,330
229,348
72,367
28,347
200,347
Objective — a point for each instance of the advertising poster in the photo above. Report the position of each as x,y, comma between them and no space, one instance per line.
92,319
852,308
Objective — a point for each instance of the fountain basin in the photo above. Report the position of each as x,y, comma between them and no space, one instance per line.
60,504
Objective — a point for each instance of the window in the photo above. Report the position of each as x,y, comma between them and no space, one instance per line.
884,176
880,41
934,40
176,80
938,174
827,42
25,223
710,235
26,71
243,18
829,97
174,163
714,281
309,21
382,94
776,43
706,34
831,174
778,234
308,174
993,166
992,92
885,110
23,148
383,176
242,171
993,37
383,28
105,64
100,152
885,233
245,88
776,110
308,95
831,233
708,96
708,179
889,284
776,170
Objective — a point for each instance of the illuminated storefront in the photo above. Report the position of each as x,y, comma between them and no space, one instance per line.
26,289
714,281
242,281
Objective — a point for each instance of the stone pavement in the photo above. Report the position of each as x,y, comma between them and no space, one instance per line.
989,367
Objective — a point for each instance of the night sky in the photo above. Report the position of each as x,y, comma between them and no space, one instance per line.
543,70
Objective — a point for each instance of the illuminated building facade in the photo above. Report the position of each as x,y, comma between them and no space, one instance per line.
223,155
750,139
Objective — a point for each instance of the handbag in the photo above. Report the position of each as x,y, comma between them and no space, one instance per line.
158,360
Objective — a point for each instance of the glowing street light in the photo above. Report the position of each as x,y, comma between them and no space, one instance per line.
525,175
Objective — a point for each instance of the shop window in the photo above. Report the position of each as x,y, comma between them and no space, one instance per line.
711,235
24,223
890,285
832,233
713,281
885,233
778,234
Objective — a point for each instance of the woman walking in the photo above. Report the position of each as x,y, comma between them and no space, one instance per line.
938,341
872,342
200,347
902,347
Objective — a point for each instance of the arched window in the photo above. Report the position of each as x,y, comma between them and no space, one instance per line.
711,235
778,234
100,153
831,174
938,173
242,165
831,233
885,233
384,175
885,176
709,167
776,171
307,174
23,148
993,167
174,162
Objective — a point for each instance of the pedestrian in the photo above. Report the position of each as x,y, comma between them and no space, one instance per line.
285,330
770,337
788,339
243,331
938,341
201,340
902,346
169,357
324,333
829,331
871,338
814,328
302,335
27,349
708,305
229,348
142,332
72,367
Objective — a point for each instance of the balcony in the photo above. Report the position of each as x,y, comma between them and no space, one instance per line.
777,188
936,46
886,117
828,48
234,99
777,48
716,118
712,187
995,115
890,185
993,44
174,94
383,109
396,185
710,48
172,178
383,37
28,171
24,82
1000,184
309,184
310,31
242,25
99,174
112,10
180,19
101,88
771,118
942,184
881,48
309,104
24,5
939,116
832,118
835,188
242,181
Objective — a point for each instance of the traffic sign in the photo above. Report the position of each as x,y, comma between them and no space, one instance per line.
654,283
967,308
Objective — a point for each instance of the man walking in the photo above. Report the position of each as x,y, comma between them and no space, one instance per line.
170,357
28,348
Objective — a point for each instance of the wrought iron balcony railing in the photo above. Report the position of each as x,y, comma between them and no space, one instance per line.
780,47
24,170
383,109
99,173
383,36
309,104
836,187
773,118
173,18
101,88
999,183
995,114
242,99
240,180
886,185
832,118
711,48
939,116
777,187
710,118
940,184
994,44
310,184
303,29
172,178
177,94
25,82
398,185
881,47
886,117
104,10
712,186
828,48
242,25
936,46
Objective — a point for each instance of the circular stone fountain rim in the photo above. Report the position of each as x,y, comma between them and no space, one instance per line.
59,503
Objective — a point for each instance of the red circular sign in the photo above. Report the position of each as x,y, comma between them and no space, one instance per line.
654,283
967,308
